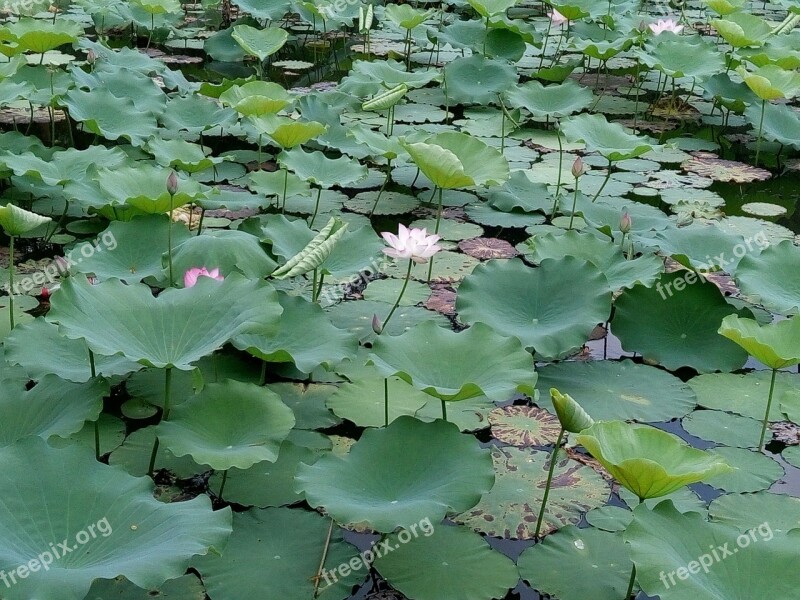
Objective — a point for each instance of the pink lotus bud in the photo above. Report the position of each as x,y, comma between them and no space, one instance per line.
45,294
625,223
91,57
376,324
172,183
578,168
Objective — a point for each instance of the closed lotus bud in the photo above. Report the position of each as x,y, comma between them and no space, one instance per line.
45,294
570,414
577,168
172,183
376,324
91,57
625,223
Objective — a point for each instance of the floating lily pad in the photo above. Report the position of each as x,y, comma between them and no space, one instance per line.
748,511
745,395
524,426
755,471
356,317
511,508
388,290
767,278
451,558
134,456
487,248
363,401
723,428
623,390
307,402
390,203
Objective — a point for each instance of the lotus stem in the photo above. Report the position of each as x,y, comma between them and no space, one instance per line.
574,204
222,485
164,416
632,580
285,185
560,165
11,281
544,47
150,33
93,372
444,410
316,207
397,302
169,242
383,187
200,224
760,130
436,231
605,181
386,402
550,471
766,414
314,285
319,287
324,558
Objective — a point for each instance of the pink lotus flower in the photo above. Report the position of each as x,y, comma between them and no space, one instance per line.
191,276
556,18
663,25
414,244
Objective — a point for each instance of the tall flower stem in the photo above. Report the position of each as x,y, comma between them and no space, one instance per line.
632,580
222,485
11,281
605,181
169,241
766,414
164,416
760,130
93,371
560,165
386,402
574,204
553,459
400,296
444,410
436,231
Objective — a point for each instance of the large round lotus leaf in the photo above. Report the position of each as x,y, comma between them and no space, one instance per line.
266,483
551,309
308,403
781,123
603,253
111,429
260,42
616,518
125,531
745,395
478,80
557,100
40,350
52,407
134,456
480,362
363,401
524,426
623,390
447,558
396,476
305,337
139,246
99,111
187,587
453,160
609,139
195,113
144,188
723,428
648,461
681,57
792,456
773,343
511,508
664,542
704,247
256,98
231,424
224,250
356,317
770,278
40,36
448,267
748,511
467,415
18,221
754,471
675,324
316,168
599,567
177,328
279,550
388,290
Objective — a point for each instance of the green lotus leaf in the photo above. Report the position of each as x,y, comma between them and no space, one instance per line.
316,251
723,428
40,350
472,569
176,329
490,8
742,394
182,155
398,475
145,188
406,16
52,407
777,345
770,82
748,511
684,57
17,221
158,7
675,324
755,471
683,557
134,456
781,123
269,10
226,250
256,98
64,166
558,100
482,363
648,461
318,169
768,279
261,43
599,565
288,133
478,80
125,530
453,159
195,114
38,35
305,337
187,587
609,139
356,317
363,402
742,29
519,193
551,309
99,111
230,424
510,509
280,549
725,7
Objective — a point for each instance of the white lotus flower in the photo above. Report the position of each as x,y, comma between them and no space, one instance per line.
414,244
663,25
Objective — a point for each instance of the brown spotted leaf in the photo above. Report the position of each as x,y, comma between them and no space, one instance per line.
486,248
710,165
524,426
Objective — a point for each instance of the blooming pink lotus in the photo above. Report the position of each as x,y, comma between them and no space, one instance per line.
191,276
414,244
556,18
663,25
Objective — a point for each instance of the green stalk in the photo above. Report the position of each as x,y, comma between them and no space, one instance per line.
386,402
399,297
164,416
322,561
316,207
605,181
760,130
285,185
436,232
550,471
632,580
766,414
574,203
444,410
560,165
169,241
544,47
93,372
383,187
11,281
222,485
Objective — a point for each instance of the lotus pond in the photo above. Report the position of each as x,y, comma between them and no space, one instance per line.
464,300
